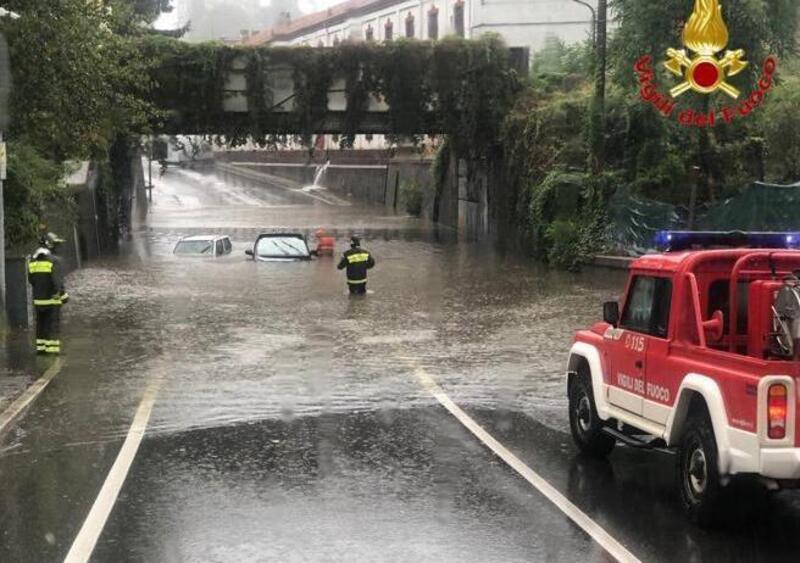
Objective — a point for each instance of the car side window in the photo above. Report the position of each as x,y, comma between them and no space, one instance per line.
227,245
648,307
220,248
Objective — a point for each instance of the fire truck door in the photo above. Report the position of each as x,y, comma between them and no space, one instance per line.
628,354
630,342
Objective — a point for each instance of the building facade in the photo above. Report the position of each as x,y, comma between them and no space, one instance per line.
522,23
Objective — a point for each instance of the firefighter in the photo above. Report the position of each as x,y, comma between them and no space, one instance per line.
45,277
325,243
357,261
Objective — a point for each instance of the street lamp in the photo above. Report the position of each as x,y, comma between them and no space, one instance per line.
599,38
594,19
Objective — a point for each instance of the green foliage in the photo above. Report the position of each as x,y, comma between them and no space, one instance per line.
413,195
33,184
80,84
567,216
558,66
564,238
780,120
726,157
760,28
76,83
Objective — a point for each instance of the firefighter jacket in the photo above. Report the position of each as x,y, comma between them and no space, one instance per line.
357,261
44,275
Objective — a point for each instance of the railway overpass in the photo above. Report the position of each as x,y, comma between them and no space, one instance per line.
404,88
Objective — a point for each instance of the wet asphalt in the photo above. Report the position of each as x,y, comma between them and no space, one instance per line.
289,425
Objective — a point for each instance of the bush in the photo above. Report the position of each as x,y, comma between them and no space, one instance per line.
413,195
33,183
563,238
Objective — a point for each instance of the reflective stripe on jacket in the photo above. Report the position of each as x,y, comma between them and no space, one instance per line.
357,261
44,275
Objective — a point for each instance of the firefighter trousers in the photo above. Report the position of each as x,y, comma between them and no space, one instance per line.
48,325
357,288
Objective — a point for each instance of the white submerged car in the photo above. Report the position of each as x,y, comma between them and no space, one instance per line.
204,245
280,247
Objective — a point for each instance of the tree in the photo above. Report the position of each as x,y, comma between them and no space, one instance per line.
760,28
79,87
76,83
650,28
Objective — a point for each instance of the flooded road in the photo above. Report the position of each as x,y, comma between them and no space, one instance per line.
287,423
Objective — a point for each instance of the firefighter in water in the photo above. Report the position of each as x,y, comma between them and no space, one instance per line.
357,261
45,277
325,243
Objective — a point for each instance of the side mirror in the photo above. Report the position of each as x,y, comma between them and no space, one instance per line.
714,327
249,252
611,313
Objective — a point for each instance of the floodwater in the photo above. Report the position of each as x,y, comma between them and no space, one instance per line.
235,341
288,424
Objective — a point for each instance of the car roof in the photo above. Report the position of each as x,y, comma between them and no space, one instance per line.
294,235
203,237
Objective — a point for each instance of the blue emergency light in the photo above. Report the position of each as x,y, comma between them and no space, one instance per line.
687,240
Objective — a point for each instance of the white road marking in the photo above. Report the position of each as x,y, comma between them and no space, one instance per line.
21,403
595,531
85,542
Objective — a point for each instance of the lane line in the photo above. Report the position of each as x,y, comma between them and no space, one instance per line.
595,531
29,395
86,540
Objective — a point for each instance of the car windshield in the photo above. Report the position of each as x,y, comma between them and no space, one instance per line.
282,247
194,247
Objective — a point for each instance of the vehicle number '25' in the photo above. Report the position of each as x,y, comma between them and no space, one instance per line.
634,342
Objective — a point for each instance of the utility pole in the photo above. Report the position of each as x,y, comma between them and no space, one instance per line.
5,90
601,47
3,317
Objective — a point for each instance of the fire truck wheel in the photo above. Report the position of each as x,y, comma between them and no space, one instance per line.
698,471
585,424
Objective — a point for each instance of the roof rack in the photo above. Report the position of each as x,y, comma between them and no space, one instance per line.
673,241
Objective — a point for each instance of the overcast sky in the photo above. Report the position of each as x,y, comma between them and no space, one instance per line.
170,21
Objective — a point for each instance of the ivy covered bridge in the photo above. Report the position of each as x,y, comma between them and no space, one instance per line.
459,87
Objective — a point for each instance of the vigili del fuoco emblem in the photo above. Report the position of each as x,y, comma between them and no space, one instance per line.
705,34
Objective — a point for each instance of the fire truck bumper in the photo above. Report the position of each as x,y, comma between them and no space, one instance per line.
780,463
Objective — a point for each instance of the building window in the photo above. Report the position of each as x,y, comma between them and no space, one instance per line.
388,30
409,26
458,18
433,24
369,34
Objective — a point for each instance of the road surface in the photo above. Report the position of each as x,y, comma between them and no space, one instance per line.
266,416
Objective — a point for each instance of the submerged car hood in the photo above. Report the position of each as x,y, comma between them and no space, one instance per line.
277,259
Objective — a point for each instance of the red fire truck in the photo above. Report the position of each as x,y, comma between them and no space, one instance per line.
700,358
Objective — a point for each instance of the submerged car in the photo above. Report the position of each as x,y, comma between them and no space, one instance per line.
273,247
204,245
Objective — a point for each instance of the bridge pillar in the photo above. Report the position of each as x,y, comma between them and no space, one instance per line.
473,200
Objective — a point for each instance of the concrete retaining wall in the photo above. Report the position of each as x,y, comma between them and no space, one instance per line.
377,178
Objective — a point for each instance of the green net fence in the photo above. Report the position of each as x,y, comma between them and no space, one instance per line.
761,207
634,220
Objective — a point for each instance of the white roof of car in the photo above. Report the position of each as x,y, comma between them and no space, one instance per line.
204,237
